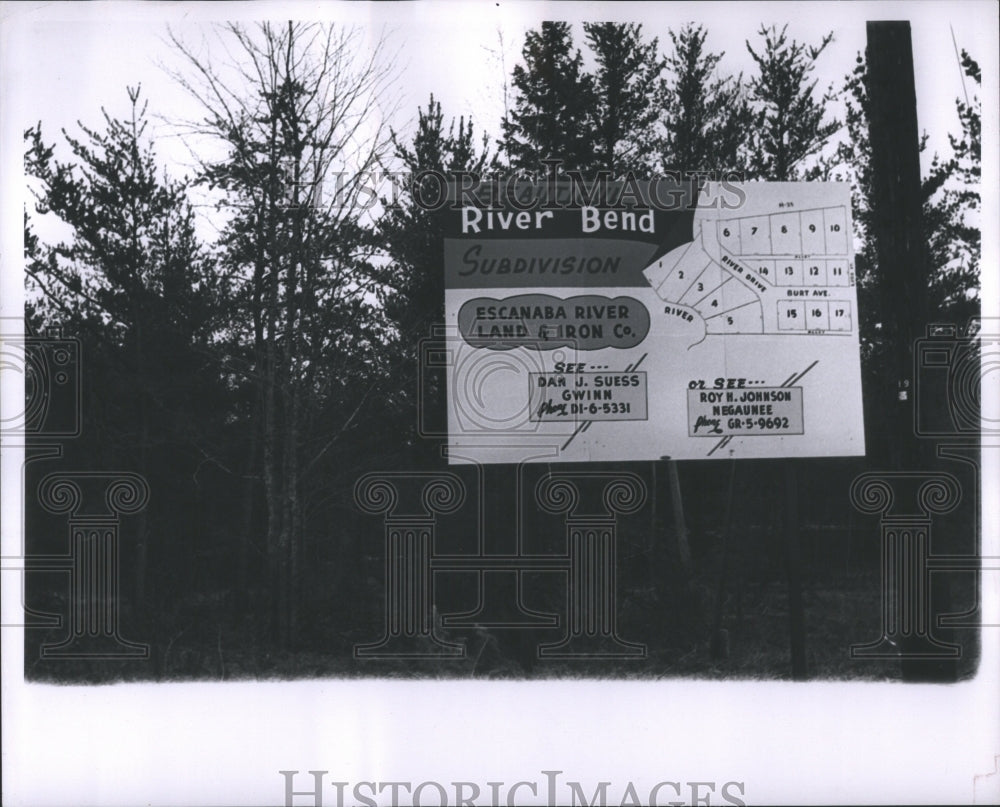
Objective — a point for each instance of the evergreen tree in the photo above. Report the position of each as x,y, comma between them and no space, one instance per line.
133,261
705,116
852,163
952,218
950,202
626,90
950,197
553,112
135,286
789,121
413,281
411,233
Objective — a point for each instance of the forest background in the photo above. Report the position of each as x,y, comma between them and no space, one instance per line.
260,341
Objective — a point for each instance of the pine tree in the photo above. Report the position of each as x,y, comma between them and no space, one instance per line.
553,112
411,233
133,260
134,284
950,201
705,116
626,89
949,195
789,121
413,300
952,219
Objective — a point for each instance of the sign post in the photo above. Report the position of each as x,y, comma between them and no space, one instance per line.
677,508
793,567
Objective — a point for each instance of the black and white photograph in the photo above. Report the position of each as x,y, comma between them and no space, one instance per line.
439,403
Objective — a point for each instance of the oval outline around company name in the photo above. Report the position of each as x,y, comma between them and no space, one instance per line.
545,322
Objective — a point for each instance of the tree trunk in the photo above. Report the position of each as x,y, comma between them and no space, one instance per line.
290,538
242,593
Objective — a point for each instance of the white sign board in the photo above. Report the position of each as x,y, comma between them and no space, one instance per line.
723,329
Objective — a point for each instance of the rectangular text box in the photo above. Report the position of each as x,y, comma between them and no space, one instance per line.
759,411
588,396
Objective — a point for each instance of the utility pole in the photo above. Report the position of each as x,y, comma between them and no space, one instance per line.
902,266
896,211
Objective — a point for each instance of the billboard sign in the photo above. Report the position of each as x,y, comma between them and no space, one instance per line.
665,321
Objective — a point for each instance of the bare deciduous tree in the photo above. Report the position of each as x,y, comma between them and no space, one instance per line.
300,111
